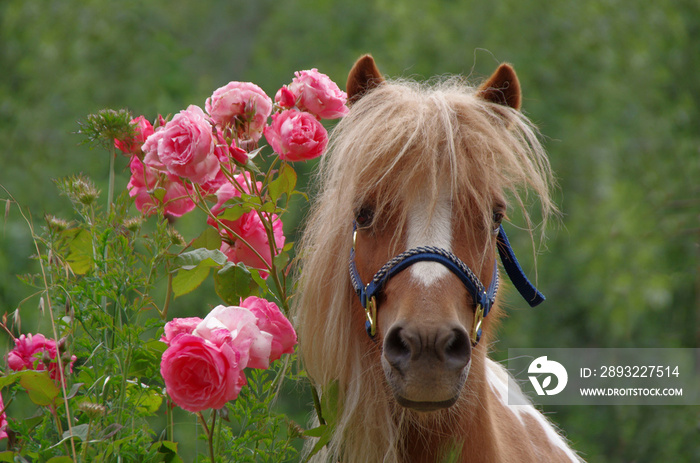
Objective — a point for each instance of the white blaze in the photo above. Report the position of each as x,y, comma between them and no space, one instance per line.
426,228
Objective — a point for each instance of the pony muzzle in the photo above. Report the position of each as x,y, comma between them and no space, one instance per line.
426,367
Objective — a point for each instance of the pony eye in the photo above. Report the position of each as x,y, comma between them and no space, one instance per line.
364,217
498,216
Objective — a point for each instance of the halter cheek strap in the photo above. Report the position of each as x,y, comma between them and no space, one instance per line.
483,299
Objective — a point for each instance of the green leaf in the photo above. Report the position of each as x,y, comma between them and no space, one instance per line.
187,281
7,457
80,253
209,239
233,282
167,451
318,431
235,211
80,431
159,193
281,260
329,403
284,183
324,437
60,459
147,401
40,387
194,269
191,259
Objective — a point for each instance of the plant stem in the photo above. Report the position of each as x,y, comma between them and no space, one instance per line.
211,436
209,432
87,440
110,191
317,405
168,295
30,224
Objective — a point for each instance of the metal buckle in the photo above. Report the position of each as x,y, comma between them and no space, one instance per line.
371,313
478,317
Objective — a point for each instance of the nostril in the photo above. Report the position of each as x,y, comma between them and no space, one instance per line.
456,348
397,348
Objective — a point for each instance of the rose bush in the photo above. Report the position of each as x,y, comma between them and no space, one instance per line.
100,271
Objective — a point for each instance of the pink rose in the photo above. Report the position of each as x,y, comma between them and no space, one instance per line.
271,320
35,352
142,130
296,135
285,98
185,146
318,94
251,229
242,105
238,328
31,352
228,191
200,374
3,420
178,326
144,183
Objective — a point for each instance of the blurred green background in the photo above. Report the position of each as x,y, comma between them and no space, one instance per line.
614,86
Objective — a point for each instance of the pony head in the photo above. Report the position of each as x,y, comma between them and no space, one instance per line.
412,165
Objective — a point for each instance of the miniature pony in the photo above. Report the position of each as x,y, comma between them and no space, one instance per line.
398,296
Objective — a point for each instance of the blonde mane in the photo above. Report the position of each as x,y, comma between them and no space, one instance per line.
400,137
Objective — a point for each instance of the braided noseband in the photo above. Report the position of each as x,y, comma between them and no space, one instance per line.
482,298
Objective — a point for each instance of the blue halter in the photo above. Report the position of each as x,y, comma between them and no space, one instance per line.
483,298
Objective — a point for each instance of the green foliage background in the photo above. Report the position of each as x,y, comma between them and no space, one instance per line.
612,84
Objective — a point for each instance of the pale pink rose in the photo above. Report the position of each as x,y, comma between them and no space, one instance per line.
35,352
200,374
142,130
316,93
242,105
237,327
251,229
3,420
179,326
143,186
184,146
272,320
296,135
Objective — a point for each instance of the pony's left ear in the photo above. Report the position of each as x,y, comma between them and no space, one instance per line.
502,87
363,77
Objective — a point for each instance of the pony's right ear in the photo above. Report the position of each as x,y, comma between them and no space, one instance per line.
363,77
